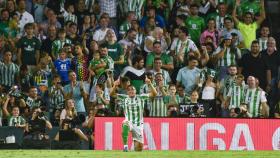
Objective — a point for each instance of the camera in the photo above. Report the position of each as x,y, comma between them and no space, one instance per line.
69,124
40,115
241,111
237,110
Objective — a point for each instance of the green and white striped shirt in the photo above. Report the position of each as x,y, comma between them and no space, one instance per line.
58,44
136,6
158,107
254,97
8,73
12,120
230,56
134,108
57,99
70,17
236,94
228,82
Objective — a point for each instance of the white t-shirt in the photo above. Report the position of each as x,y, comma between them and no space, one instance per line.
25,18
100,34
189,45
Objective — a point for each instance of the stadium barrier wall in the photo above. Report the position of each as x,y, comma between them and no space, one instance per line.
193,134
19,135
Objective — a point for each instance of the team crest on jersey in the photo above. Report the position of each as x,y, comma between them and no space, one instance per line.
194,26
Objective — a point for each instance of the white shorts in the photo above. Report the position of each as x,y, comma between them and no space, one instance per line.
137,131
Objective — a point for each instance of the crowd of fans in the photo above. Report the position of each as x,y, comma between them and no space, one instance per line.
64,59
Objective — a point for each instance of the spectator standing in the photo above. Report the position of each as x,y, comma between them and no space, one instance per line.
14,119
248,27
235,96
167,61
126,25
24,16
220,15
51,20
109,7
253,64
99,34
264,34
272,59
4,23
136,72
47,43
157,68
181,48
73,35
151,13
78,90
11,7
256,100
115,51
226,55
158,107
56,95
229,29
32,100
9,71
195,24
212,32
28,48
188,75
62,65
58,44
209,92
80,63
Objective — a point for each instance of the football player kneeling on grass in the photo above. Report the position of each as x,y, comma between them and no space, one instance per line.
133,106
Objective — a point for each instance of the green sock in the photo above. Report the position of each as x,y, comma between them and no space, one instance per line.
125,131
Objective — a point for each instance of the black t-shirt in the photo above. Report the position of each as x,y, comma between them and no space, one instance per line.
190,109
80,16
272,61
37,126
47,46
77,39
254,66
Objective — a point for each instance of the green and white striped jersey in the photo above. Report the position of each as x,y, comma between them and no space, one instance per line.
8,73
70,17
57,99
136,6
230,56
158,107
58,44
13,120
236,94
226,83
254,97
134,107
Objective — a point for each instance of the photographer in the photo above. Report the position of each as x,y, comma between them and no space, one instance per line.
240,112
98,111
68,122
37,125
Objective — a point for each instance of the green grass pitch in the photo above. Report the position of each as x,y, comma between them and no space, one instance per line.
131,154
